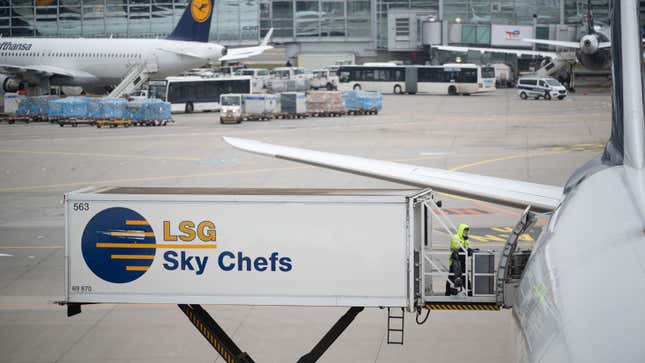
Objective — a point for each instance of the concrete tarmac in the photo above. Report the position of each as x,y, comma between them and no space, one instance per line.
495,134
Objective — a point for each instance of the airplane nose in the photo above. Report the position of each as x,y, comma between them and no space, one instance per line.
224,51
587,43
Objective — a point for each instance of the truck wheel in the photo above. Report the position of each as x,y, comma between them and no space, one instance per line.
330,87
397,90
189,107
357,87
523,95
452,91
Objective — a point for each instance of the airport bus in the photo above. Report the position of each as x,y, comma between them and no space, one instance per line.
450,79
190,94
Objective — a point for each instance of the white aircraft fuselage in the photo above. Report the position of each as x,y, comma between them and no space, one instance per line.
103,62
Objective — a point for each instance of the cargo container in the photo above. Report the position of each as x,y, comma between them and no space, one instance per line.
325,103
236,108
292,105
362,102
240,246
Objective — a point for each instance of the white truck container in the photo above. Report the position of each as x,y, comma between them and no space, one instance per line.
248,247
11,102
259,104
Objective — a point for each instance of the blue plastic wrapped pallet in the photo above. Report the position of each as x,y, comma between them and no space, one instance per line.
107,108
362,100
150,109
71,107
34,106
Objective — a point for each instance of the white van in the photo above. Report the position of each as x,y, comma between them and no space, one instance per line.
537,87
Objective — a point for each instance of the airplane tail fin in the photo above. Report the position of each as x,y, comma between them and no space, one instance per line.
195,23
267,38
626,144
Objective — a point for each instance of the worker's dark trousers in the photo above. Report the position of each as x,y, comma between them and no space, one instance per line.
452,277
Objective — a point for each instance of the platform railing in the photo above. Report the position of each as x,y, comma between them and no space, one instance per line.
435,267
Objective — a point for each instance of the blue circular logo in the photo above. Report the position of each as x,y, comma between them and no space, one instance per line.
118,245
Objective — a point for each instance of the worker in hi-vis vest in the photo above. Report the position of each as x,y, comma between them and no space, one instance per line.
457,260
460,239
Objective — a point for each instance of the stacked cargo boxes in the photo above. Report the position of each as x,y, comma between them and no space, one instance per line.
69,108
149,111
35,107
107,109
362,102
325,103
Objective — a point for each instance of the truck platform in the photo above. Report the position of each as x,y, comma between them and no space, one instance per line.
177,245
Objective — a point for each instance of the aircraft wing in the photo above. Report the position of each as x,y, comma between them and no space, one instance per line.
44,71
518,52
557,43
502,191
247,52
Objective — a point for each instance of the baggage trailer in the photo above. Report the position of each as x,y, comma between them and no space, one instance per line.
352,248
12,118
74,122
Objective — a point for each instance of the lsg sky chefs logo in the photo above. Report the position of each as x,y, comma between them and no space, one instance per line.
119,246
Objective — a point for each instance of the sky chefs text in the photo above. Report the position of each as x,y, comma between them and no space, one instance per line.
204,231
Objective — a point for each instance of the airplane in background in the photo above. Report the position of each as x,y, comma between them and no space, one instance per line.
98,64
592,51
581,294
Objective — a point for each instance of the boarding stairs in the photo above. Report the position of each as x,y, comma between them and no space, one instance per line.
137,75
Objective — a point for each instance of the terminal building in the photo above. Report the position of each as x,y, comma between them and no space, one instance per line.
342,30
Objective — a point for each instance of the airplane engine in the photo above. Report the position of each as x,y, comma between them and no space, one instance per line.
589,44
11,84
598,61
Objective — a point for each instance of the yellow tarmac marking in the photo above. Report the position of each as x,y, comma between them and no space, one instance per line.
105,155
508,157
155,245
152,178
265,170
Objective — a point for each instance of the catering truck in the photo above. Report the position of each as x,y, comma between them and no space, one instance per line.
230,246
352,248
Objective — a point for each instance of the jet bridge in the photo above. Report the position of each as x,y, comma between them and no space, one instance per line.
191,246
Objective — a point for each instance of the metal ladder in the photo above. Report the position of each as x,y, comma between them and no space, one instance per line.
393,330
137,75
